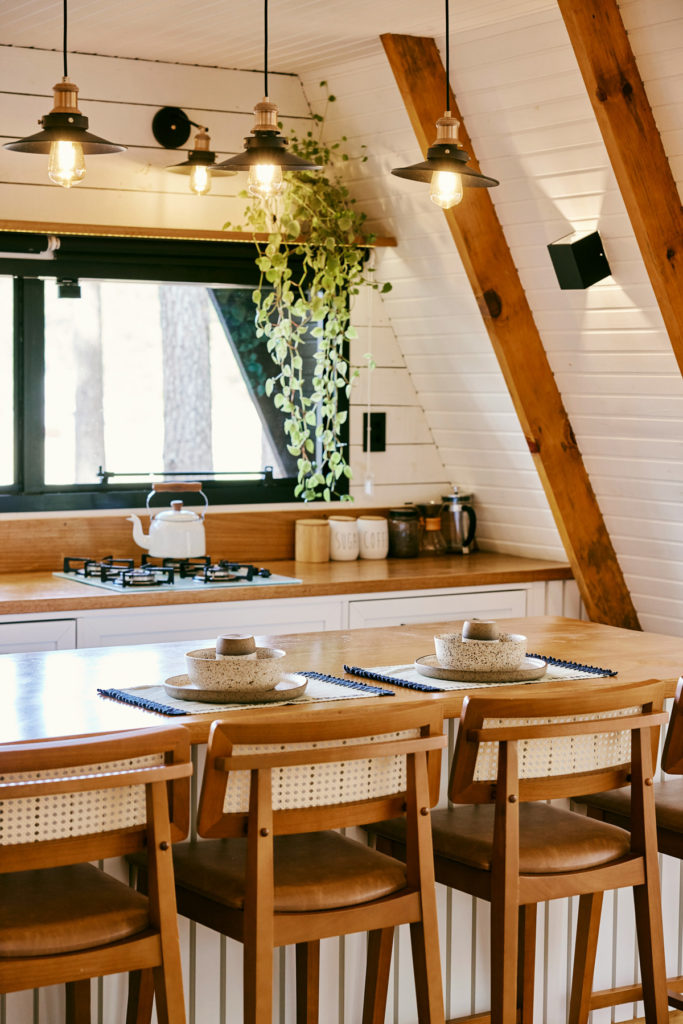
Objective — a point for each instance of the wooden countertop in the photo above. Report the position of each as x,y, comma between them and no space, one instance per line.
54,693
39,592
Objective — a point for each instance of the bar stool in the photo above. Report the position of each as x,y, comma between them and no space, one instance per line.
63,920
614,806
271,872
507,847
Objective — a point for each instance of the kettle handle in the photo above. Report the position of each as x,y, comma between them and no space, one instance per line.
472,524
181,485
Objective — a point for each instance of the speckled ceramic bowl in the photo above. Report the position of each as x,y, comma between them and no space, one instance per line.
480,655
210,673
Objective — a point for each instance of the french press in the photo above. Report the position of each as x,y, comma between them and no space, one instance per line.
458,522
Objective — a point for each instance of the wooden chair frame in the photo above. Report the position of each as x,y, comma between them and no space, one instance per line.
669,842
167,804
512,895
257,925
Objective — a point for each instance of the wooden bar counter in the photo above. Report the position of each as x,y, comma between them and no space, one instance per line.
54,693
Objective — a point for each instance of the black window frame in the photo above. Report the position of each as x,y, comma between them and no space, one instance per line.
158,260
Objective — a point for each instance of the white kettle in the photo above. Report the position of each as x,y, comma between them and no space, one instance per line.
176,532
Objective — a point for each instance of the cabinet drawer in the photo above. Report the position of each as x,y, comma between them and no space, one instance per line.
43,635
206,621
398,611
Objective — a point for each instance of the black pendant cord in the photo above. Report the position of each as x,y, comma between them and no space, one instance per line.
66,72
265,45
448,60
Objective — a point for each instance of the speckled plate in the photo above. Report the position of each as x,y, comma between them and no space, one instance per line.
531,668
291,685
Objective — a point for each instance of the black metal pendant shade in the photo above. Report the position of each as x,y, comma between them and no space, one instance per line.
267,148
445,158
64,128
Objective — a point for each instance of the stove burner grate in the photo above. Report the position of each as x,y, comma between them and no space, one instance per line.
123,572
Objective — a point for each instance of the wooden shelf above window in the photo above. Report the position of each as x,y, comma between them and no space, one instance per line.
115,231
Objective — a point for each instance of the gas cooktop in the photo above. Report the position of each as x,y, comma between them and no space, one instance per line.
160,574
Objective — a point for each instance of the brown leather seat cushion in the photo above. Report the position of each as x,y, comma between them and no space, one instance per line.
314,871
551,840
61,910
668,803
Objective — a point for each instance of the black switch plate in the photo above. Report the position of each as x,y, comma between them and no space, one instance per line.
378,431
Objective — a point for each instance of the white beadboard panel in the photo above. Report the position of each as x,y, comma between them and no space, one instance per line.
409,463
380,342
522,96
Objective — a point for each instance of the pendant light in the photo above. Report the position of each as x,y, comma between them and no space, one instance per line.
65,136
265,155
171,128
446,164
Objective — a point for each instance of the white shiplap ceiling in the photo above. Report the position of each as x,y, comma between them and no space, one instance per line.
305,35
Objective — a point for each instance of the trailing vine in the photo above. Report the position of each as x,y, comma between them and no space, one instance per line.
312,263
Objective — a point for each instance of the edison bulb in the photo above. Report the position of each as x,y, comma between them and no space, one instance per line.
446,189
265,181
200,179
66,166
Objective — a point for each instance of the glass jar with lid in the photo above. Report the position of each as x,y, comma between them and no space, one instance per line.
404,532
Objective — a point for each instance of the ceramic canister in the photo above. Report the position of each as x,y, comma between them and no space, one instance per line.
343,538
373,536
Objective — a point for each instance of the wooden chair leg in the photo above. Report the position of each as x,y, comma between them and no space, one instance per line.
78,1002
140,997
307,982
380,943
651,952
504,939
587,928
168,991
526,963
427,969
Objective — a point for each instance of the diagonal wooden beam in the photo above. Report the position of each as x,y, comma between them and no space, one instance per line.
635,149
480,241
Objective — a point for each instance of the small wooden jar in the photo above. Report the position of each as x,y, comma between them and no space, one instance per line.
312,540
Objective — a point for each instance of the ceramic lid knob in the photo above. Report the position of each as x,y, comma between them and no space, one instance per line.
480,629
236,643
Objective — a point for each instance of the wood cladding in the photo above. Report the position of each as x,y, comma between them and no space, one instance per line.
485,254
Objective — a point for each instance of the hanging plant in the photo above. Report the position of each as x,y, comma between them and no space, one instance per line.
312,263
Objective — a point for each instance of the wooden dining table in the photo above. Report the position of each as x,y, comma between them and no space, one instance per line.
55,693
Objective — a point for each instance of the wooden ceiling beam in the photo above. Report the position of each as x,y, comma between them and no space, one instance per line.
635,149
481,243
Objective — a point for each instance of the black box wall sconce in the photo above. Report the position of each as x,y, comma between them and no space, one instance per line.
579,259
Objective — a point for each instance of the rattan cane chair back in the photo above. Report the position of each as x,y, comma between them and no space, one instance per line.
68,802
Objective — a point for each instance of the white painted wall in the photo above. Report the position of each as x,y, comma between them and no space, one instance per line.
522,97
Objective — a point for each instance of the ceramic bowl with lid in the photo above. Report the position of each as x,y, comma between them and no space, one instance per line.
208,672
505,653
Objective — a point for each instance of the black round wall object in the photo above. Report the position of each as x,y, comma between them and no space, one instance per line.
171,127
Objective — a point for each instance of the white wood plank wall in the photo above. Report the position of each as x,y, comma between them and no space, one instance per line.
120,97
526,109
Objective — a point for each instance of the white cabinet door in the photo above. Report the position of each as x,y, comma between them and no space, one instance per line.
206,621
398,611
45,635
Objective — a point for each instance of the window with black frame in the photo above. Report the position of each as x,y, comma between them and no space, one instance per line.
124,366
